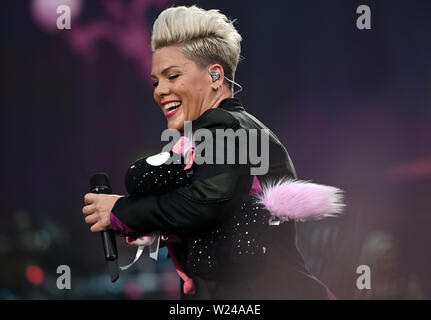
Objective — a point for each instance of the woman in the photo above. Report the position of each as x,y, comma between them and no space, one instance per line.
227,247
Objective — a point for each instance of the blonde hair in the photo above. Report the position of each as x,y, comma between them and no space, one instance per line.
207,36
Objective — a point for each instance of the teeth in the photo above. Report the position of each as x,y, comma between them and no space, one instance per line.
170,111
172,104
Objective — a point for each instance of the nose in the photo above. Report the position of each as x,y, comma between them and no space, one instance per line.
162,89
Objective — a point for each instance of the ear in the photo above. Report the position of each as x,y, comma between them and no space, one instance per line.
218,69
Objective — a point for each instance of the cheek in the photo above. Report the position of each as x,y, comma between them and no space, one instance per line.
177,124
190,92
186,94
182,89
156,97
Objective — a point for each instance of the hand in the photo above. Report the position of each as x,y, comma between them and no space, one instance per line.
97,210
146,240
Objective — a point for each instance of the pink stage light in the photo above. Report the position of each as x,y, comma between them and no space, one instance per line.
45,14
417,169
34,274
132,290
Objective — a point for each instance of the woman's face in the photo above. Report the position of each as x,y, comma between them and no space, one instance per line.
182,88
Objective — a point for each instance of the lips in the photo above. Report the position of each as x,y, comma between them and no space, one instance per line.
172,111
171,107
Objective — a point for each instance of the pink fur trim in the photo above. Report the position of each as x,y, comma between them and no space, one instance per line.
301,200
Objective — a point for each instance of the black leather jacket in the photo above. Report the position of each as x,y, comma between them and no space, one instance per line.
228,247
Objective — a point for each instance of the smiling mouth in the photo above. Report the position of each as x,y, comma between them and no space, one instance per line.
172,108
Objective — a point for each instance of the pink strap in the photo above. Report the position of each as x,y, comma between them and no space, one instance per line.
185,147
189,286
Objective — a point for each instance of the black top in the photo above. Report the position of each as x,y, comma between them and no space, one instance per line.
228,247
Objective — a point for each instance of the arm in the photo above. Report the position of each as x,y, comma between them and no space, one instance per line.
201,204
191,208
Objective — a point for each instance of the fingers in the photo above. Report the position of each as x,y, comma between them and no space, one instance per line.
99,226
98,222
91,219
89,209
97,210
89,198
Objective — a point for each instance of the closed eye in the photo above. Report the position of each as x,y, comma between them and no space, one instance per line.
171,77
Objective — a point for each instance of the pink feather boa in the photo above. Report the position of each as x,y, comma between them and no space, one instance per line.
301,200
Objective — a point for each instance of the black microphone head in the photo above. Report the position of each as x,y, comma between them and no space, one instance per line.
99,181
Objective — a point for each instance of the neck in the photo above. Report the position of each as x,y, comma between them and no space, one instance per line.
221,94
214,101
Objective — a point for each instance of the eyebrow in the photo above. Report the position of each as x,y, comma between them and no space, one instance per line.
165,70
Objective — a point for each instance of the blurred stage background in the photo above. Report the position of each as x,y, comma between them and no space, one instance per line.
352,107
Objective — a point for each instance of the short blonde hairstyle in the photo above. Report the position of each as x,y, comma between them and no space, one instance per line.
207,36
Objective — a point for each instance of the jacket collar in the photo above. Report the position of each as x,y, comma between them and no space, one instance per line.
231,104
210,117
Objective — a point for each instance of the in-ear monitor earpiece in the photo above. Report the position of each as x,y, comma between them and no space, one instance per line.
215,76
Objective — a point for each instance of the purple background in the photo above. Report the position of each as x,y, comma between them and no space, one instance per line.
352,107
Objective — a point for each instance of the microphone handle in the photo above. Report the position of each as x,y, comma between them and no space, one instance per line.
108,241
109,245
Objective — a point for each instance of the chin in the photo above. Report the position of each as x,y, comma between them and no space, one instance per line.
177,125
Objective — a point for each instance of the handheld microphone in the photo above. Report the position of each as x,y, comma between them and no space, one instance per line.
99,183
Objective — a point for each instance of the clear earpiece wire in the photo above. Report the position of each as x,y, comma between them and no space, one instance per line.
234,83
